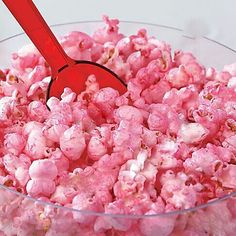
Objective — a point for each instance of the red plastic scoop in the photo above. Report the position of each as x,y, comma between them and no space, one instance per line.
66,72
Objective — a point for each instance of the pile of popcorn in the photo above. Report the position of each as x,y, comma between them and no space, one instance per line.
168,143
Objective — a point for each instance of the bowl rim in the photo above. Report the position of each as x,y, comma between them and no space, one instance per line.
129,22
93,213
212,202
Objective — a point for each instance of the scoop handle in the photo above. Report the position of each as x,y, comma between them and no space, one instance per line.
30,19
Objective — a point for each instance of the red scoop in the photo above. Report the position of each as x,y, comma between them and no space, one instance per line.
66,72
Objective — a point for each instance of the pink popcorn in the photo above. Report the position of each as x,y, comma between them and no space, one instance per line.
109,33
183,58
192,133
96,148
163,225
110,53
37,90
63,195
72,143
125,47
137,177
3,73
10,162
121,68
205,160
54,132
52,102
81,114
27,57
93,182
183,100
105,100
230,110
133,167
155,93
178,77
22,175
31,216
60,114
96,51
40,187
223,77
77,39
189,71
17,167
151,52
24,161
147,76
128,113
121,137
60,223
175,191
231,69
77,45
156,120
68,96
14,143
166,144
230,143
210,118
163,155
224,154
149,137
6,104
13,86
106,222
96,114
219,91
183,198
105,132
140,40
36,75
42,174
213,220
128,184
35,145
165,61
136,61
43,169
61,162
38,111
32,126
163,46
162,118
134,90
109,162
228,176
88,203
196,71
133,231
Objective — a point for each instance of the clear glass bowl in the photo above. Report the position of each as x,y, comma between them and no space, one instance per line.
24,216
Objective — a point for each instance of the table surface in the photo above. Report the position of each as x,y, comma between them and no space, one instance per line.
212,18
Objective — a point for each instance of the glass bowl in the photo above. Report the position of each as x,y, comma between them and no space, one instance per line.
24,216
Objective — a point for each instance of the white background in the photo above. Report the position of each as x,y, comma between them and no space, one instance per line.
212,18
